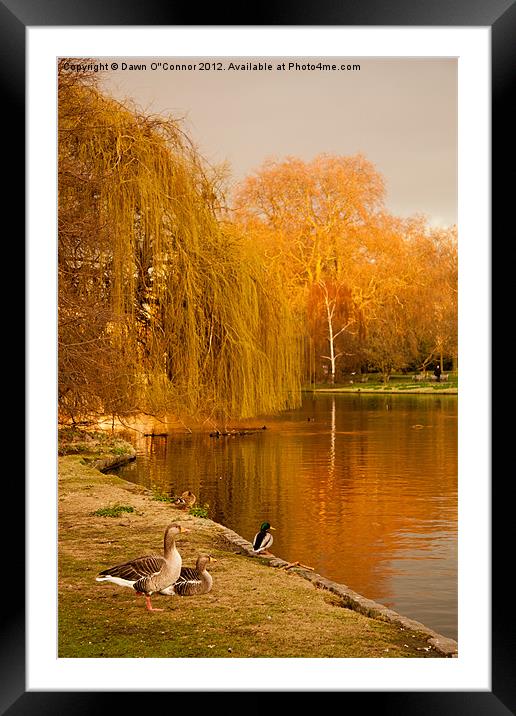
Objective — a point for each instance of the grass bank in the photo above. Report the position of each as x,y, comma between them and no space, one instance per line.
394,385
254,610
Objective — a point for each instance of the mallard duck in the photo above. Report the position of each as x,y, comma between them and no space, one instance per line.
151,573
186,500
263,539
193,580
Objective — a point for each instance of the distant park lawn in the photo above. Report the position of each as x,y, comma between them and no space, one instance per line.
397,383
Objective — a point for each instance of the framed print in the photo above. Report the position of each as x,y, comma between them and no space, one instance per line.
36,675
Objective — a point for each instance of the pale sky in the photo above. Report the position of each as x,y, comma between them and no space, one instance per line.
400,113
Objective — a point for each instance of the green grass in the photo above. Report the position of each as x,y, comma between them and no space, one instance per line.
114,511
394,385
199,511
253,610
91,444
118,450
158,496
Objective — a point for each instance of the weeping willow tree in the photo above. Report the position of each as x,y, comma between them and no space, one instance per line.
163,307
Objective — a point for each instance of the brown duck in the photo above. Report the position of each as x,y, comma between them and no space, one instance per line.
186,500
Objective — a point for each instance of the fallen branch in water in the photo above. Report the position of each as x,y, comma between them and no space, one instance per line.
297,564
236,431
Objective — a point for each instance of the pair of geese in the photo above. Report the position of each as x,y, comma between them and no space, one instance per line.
165,574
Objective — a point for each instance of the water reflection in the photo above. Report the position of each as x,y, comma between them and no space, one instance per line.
362,488
331,468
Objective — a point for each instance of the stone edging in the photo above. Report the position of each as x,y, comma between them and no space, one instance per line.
442,644
105,463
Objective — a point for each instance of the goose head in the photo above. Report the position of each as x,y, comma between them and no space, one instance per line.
203,560
172,531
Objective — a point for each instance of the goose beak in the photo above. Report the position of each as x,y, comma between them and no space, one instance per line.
184,529
212,559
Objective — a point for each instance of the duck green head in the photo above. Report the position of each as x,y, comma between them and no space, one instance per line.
265,526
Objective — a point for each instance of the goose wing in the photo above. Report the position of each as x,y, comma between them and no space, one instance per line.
189,582
136,569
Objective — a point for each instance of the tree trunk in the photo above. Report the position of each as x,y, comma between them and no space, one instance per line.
329,313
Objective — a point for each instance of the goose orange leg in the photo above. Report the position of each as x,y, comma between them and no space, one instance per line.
148,604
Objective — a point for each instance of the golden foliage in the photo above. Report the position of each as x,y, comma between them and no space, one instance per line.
177,312
370,289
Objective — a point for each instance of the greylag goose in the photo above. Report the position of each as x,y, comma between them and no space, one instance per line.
151,573
193,580
263,539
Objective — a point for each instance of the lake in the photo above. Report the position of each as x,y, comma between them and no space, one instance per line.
363,488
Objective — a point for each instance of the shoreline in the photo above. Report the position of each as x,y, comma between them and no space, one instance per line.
385,391
353,600
77,477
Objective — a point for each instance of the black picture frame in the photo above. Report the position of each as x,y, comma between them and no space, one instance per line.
500,16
